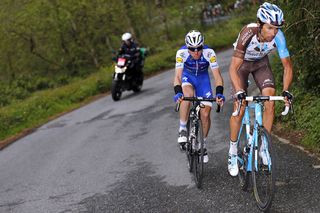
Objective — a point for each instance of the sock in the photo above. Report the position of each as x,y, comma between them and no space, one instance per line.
233,148
183,126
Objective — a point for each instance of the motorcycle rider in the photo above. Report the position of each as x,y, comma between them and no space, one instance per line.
131,48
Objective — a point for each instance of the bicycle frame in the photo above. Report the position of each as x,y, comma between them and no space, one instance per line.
252,139
195,119
249,163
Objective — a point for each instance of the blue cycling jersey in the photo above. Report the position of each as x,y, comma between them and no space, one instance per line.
195,67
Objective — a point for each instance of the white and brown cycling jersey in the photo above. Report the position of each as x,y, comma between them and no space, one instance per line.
254,53
249,48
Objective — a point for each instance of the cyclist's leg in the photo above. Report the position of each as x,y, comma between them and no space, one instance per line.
268,114
265,81
188,91
185,105
235,121
203,89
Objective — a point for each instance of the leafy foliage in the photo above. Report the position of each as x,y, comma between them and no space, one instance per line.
303,39
38,106
44,44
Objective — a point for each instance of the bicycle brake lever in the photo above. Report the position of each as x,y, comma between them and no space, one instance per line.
218,108
236,113
177,107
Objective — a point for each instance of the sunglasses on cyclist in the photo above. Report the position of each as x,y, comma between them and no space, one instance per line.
193,49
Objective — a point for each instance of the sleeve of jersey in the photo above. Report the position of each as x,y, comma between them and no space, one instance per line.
281,45
242,42
179,59
212,59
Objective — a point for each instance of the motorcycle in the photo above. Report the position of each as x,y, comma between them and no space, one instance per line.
126,77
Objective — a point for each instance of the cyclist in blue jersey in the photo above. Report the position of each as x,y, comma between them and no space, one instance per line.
254,43
192,79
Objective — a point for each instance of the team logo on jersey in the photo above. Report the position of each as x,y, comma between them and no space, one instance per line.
213,59
179,60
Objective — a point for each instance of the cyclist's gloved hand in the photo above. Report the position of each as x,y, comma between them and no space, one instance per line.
288,97
178,93
220,96
287,94
177,97
240,95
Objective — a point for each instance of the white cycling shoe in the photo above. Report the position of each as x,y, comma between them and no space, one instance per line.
182,139
233,165
205,156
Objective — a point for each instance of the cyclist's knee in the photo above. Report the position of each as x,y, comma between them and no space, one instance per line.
268,91
269,106
205,113
187,91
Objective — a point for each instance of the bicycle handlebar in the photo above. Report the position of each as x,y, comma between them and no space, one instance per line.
197,99
262,98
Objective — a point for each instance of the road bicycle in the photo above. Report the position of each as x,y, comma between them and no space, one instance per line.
194,148
250,140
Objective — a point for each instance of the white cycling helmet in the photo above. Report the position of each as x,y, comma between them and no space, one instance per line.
126,36
194,39
270,14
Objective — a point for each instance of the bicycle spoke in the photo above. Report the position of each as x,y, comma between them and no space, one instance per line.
242,160
263,176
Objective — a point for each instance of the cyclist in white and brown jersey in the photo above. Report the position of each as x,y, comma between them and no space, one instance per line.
251,50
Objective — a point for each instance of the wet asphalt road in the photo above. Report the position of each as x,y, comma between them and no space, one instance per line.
123,157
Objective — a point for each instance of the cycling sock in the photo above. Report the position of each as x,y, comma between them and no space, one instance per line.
204,142
233,148
183,126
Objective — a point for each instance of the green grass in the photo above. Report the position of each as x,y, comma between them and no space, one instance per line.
306,117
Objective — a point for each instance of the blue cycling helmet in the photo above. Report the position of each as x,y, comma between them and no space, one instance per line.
270,14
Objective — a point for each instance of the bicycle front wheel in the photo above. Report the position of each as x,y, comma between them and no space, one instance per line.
198,156
263,173
243,151
188,147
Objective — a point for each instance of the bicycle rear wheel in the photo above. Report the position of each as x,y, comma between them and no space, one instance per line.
198,156
243,151
263,176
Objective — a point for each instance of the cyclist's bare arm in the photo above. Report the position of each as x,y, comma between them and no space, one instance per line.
217,76
233,71
288,73
177,76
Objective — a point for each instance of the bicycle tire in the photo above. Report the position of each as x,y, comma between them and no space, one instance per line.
263,179
198,156
244,176
188,146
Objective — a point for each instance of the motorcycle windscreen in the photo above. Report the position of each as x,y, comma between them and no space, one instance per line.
121,62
